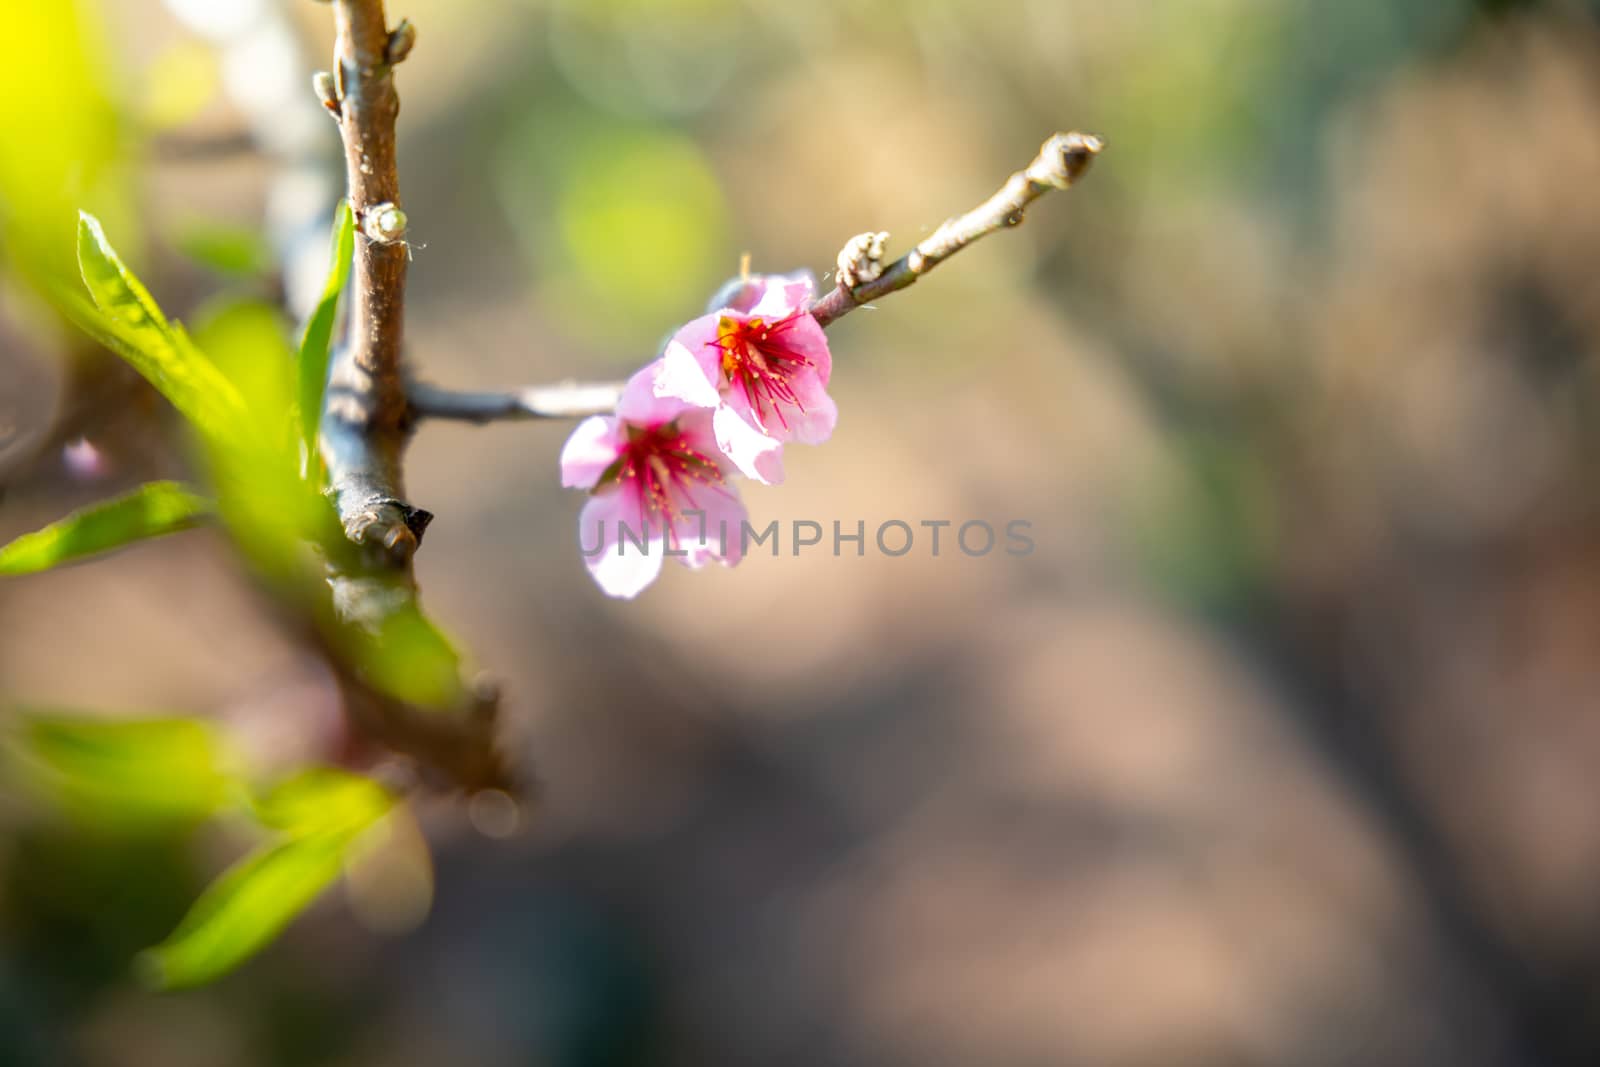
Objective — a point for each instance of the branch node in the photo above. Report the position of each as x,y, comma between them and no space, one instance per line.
861,259
417,520
327,90
386,525
384,223
401,40
400,541
1063,159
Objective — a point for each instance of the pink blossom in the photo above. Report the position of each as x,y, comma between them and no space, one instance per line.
770,364
657,482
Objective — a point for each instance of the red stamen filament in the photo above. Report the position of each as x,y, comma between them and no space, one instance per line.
756,359
667,470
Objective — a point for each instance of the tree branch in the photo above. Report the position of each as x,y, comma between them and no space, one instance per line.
862,278
371,408
367,419
569,400
365,423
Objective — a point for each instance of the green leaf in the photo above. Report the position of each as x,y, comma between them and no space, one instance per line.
122,772
151,510
321,799
411,659
315,345
271,511
323,813
57,93
126,319
245,909
113,286
248,341
252,447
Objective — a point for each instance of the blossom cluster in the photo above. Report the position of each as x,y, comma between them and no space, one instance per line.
728,392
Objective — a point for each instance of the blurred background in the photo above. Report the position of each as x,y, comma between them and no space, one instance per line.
1282,747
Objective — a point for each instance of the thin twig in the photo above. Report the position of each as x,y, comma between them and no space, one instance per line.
862,278
569,400
371,408
1061,161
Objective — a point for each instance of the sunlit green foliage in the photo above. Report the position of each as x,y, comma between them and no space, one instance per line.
318,816
253,401
312,366
62,147
318,799
119,772
137,776
247,339
411,659
149,511
125,319
177,85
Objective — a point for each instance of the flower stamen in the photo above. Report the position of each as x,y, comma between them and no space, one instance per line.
758,361
668,470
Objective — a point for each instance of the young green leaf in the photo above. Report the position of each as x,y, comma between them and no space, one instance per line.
322,814
248,341
321,799
114,288
120,772
409,657
245,909
151,510
315,345
127,320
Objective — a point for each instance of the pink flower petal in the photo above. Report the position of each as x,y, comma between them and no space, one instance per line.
688,377
666,388
815,424
738,437
615,562
715,532
699,338
592,447
772,296
696,427
804,337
